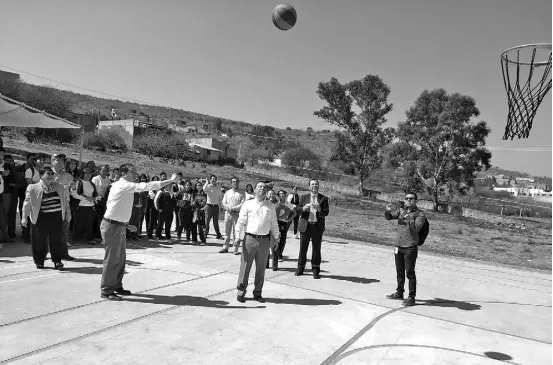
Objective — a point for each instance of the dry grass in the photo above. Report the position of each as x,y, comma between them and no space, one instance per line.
530,248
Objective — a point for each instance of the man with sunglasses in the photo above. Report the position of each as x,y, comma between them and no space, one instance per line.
410,220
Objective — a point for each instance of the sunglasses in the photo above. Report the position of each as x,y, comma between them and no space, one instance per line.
410,199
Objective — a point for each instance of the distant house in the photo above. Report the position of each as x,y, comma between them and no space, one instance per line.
9,76
213,144
205,153
127,128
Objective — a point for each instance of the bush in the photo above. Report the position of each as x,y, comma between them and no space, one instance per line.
162,144
105,140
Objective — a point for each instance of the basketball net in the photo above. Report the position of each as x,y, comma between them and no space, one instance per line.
527,81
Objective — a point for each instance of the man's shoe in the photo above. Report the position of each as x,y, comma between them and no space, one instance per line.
123,291
296,236
58,266
316,275
220,237
223,250
259,298
275,267
68,258
241,298
40,267
410,301
111,296
69,244
396,296
298,273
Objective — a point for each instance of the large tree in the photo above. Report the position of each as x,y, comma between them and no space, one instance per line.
362,135
440,144
301,160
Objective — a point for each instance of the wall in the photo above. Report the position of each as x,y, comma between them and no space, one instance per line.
87,121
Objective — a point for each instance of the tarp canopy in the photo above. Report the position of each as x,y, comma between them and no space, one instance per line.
16,114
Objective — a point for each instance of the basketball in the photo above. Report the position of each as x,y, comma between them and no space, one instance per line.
284,16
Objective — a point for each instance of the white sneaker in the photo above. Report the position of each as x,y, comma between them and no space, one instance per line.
297,235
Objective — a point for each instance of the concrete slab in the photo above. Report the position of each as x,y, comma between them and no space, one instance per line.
184,310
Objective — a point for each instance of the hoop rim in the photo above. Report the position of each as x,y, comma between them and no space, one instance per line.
535,45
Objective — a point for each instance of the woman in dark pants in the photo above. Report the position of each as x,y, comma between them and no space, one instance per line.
85,193
198,214
185,210
144,201
163,203
152,212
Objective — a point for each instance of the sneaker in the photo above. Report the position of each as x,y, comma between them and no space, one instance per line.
122,291
396,296
236,252
194,242
202,243
224,250
410,301
220,237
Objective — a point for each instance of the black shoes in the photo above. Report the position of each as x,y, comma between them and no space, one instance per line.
241,298
68,258
58,265
298,272
410,301
396,296
316,274
122,291
111,296
40,266
259,298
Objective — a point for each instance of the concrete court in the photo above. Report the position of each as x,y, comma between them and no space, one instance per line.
184,310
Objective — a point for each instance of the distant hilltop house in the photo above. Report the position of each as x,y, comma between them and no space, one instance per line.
211,149
530,192
9,76
127,128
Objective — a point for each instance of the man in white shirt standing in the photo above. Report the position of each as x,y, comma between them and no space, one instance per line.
232,202
258,221
114,228
213,192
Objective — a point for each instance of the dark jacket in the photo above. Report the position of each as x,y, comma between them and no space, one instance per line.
409,223
304,214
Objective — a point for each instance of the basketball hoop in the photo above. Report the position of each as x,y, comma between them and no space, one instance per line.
527,87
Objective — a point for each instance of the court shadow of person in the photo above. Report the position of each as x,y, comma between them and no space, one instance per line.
185,300
101,262
296,260
90,270
303,301
353,279
446,303
498,356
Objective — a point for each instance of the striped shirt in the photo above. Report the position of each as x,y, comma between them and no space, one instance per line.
51,202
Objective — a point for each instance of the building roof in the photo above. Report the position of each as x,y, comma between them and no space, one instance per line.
205,147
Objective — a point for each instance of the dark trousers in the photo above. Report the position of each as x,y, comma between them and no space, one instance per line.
197,229
185,216
406,259
311,233
212,211
135,221
114,237
47,230
277,251
296,219
165,219
12,212
100,211
84,224
257,250
152,221
3,219
177,218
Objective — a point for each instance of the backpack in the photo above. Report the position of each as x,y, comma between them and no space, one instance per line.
423,233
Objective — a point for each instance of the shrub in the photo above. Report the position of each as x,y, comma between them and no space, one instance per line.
105,140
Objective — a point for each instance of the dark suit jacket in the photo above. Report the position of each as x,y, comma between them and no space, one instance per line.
304,215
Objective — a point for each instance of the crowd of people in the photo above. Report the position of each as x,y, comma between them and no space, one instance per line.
62,202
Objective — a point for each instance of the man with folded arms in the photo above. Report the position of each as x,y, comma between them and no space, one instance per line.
258,221
114,228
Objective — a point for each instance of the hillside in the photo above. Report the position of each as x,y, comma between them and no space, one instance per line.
319,141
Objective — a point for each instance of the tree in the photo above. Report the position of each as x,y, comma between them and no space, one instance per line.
440,144
269,139
362,137
219,124
299,160
309,131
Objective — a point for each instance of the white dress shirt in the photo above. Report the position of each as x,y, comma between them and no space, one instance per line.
257,218
101,184
121,196
213,193
233,198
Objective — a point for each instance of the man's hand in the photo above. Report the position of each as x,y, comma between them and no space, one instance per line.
24,222
174,178
131,228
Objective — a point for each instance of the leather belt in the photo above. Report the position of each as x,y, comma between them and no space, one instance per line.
213,205
117,223
258,236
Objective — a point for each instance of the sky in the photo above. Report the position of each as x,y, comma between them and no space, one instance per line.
226,58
